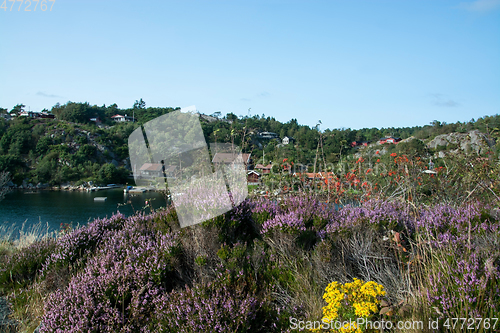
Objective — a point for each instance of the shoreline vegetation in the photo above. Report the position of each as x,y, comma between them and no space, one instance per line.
420,247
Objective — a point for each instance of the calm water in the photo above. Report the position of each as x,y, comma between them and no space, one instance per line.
59,207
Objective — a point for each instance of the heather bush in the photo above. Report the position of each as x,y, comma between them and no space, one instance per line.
115,289
460,274
214,308
73,249
237,225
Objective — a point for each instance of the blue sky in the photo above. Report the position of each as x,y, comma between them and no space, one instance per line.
347,63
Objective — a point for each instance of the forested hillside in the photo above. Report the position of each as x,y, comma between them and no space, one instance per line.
73,148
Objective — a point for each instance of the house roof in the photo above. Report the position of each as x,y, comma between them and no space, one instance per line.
252,171
170,168
229,158
151,167
118,116
261,166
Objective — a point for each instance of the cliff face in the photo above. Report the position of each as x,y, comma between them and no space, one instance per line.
473,141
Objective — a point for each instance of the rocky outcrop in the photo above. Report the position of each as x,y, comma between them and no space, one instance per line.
473,141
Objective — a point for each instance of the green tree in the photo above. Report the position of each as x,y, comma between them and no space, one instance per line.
17,109
43,145
139,104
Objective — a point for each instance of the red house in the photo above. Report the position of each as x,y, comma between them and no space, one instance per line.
359,143
253,177
264,169
389,139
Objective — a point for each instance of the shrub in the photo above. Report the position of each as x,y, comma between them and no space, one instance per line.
22,268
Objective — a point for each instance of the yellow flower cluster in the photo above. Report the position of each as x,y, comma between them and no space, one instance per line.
333,296
358,297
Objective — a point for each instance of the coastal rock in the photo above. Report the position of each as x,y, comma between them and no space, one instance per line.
126,163
473,141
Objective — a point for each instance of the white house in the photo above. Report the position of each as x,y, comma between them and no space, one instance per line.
286,140
120,118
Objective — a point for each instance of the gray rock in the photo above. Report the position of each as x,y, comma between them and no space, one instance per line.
6,324
473,141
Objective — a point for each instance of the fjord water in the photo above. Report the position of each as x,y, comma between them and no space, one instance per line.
75,208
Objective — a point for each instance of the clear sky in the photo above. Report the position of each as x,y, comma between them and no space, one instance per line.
350,64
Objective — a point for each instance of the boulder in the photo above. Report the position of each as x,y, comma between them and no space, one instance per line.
473,141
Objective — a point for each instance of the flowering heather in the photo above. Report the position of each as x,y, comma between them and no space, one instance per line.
449,224
114,291
287,222
77,245
392,215
207,309
266,260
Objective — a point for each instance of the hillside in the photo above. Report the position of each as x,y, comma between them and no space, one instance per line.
84,143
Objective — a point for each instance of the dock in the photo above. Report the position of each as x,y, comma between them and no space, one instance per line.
101,188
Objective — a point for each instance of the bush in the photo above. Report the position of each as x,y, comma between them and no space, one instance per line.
22,268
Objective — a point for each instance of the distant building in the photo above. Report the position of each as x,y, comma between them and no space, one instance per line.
389,139
267,135
286,140
253,177
46,115
151,170
6,116
119,118
29,114
359,143
32,114
264,169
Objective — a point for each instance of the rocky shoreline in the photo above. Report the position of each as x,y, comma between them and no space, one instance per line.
85,187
